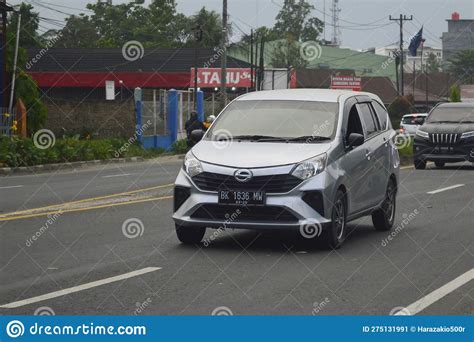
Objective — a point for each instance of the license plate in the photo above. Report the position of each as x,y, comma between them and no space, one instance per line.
242,197
444,149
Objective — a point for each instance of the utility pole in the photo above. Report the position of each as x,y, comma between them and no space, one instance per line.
224,55
198,38
4,8
251,58
400,23
15,61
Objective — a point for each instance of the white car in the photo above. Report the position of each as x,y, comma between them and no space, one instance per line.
411,122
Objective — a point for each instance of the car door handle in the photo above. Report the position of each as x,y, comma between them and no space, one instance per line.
368,154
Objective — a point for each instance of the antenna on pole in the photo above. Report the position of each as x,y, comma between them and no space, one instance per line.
336,30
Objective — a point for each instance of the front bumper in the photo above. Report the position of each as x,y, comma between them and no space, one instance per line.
461,151
296,212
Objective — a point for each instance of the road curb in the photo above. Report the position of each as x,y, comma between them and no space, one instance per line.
79,164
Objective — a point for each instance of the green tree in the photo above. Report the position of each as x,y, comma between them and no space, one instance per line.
29,26
432,63
295,21
211,25
462,66
79,32
400,106
262,31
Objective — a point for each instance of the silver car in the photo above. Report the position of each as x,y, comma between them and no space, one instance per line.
310,160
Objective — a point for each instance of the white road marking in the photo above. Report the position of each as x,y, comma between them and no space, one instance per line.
11,187
78,288
436,295
445,189
120,175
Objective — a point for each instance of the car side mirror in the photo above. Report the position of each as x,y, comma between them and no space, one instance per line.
197,135
355,139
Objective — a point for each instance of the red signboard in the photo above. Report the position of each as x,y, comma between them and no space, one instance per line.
211,77
346,82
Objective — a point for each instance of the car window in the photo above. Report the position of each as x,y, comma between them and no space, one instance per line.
371,125
354,124
381,113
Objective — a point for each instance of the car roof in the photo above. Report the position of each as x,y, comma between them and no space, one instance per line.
456,105
317,95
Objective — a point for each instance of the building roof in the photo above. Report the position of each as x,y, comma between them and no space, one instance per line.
329,57
112,60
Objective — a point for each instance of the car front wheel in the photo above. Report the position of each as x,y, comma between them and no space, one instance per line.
190,235
384,217
335,234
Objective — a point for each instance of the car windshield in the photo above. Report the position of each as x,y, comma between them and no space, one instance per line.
413,120
276,120
452,114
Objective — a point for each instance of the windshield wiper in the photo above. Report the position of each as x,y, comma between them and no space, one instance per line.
305,138
253,137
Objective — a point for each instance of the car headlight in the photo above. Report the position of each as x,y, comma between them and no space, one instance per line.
422,134
192,165
467,135
310,167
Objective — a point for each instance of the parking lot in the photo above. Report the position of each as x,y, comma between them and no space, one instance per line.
111,248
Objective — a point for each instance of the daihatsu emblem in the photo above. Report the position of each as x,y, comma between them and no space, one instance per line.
243,175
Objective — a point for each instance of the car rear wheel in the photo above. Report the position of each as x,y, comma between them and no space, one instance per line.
420,164
384,217
335,234
439,165
190,235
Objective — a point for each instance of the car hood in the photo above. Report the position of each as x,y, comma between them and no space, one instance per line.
447,127
247,154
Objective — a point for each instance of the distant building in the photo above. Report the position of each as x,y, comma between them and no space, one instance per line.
392,50
460,36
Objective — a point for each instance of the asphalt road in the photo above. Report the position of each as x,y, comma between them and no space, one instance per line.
102,270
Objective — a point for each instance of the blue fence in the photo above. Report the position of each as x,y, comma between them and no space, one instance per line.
165,140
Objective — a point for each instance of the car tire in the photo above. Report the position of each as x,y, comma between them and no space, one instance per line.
335,234
420,164
384,217
439,165
190,235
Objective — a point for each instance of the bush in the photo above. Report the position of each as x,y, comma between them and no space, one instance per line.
180,146
16,151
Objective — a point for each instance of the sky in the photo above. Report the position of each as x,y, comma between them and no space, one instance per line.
376,29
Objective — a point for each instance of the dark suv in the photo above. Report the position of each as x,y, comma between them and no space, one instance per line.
447,136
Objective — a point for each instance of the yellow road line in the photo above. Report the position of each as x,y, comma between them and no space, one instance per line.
87,200
12,218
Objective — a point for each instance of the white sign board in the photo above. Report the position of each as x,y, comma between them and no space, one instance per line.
110,90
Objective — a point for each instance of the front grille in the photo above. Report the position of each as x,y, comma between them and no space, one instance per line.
444,138
232,213
270,184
